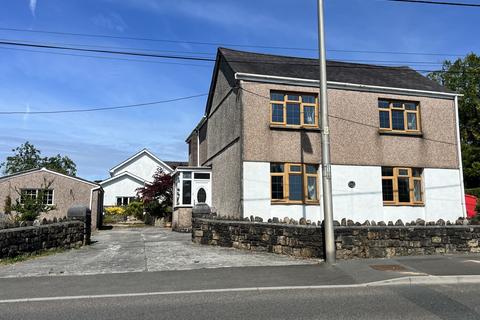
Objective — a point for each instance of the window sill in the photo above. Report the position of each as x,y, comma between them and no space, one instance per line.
274,203
404,205
400,133
280,127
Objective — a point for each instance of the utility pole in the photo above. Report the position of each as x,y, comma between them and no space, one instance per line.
326,166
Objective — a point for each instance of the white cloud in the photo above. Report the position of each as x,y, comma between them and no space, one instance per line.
33,6
228,14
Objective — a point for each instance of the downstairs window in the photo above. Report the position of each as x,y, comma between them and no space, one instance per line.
402,186
294,183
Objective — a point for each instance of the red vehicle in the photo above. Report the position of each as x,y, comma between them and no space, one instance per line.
470,203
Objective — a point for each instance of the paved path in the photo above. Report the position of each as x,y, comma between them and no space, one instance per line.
142,249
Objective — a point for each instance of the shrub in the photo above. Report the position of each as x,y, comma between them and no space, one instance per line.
29,208
135,209
119,211
474,192
7,208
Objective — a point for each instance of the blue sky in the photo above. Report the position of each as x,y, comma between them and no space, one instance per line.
36,81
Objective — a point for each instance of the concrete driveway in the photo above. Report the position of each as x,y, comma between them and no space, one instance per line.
140,250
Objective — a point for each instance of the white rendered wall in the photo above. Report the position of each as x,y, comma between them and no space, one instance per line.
143,167
443,194
122,187
363,202
257,201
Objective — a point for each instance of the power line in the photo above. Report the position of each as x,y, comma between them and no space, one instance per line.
107,58
105,108
226,44
211,54
348,120
459,4
90,56
165,56
129,53
153,39
203,59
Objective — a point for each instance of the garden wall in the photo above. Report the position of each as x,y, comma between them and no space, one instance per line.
30,239
352,241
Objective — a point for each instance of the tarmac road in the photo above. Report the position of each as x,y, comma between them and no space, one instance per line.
386,302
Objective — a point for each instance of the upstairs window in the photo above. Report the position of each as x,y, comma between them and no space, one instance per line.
399,116
293,109
402,186
294,183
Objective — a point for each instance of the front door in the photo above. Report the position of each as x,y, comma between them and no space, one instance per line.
202,192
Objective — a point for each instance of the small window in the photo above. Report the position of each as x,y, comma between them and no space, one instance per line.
48,197
201,195
28,194
293,113
402,186
291,109
294,183
124,201
399,116
187,192
201,175
277,113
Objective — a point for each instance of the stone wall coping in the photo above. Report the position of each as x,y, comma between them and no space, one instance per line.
269,224
27,228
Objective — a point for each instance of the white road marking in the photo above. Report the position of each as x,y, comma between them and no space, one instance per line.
422,280
475,261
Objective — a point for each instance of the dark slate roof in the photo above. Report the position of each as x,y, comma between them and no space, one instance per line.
175,164
304,68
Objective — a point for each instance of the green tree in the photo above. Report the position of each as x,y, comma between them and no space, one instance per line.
29,208
463,76
28,157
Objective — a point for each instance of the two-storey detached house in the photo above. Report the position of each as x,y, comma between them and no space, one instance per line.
394,141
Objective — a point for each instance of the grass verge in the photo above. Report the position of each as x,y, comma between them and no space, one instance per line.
30,256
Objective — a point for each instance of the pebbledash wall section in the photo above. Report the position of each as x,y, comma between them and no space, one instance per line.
30,239
351,241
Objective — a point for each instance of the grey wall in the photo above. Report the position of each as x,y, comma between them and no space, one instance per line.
221,149
351,241
64,235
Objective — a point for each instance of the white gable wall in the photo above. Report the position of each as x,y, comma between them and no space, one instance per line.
124,186
143,166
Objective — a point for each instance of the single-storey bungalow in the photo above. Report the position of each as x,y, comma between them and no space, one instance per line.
131,174
64,191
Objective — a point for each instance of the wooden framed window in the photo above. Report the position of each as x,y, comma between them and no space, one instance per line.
294,183
399,116
402,186
293,109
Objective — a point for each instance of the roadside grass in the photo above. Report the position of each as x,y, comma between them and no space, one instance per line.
30,256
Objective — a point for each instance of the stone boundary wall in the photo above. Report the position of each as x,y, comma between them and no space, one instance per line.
351,241
31,239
